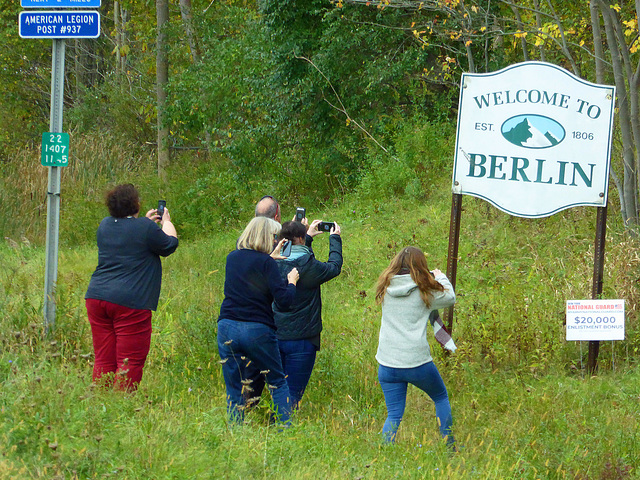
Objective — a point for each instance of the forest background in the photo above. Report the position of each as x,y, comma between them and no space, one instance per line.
347,108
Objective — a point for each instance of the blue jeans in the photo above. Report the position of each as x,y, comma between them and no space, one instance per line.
298,359
426,377
257,342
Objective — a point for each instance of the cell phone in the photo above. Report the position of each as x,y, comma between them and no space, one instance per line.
325,226
285,251
300,214
161,205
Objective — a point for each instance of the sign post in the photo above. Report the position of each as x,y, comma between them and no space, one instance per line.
56,25
533,140
53,189
598,272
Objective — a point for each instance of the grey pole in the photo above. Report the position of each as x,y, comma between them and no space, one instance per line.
53,189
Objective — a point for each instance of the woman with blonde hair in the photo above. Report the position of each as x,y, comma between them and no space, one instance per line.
409,293
246,328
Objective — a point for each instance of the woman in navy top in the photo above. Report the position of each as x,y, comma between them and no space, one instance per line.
245,326
125,286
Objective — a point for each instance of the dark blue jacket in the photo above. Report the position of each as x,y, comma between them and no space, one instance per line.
251,283
303,319
129,270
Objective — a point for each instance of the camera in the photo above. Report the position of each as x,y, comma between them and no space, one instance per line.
161,205
325,226
300,214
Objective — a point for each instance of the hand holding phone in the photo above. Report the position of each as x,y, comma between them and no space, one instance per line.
324,226
276,254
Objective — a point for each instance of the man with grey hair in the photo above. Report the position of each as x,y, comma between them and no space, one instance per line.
268,207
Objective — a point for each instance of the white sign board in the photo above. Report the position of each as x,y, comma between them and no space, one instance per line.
533,139
595,320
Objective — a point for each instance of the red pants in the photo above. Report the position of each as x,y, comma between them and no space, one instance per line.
121,341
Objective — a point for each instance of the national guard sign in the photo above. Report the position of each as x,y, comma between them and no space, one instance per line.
533,139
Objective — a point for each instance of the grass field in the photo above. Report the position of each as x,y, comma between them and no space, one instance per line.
523,405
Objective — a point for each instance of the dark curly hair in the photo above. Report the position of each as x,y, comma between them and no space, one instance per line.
291,230
123,201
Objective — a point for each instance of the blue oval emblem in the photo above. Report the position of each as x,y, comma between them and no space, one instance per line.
533,131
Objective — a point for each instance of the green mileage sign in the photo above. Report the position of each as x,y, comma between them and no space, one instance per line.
55,149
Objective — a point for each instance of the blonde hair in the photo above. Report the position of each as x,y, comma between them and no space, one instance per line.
259,235
413,259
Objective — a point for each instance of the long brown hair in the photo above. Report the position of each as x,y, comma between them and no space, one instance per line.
413,259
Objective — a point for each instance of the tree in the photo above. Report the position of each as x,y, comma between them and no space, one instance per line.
559,32
627,80
162,79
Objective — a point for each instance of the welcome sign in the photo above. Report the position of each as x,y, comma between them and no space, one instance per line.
533,139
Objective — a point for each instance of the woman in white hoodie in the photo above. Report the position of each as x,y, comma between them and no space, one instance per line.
409,292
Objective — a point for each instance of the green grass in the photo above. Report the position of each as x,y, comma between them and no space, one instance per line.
523,405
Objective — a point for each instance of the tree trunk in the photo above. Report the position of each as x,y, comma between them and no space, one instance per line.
597,41
162,78
120,18
187,19
629,181
523,40
565,47
536,5
192,38
117,25
78,69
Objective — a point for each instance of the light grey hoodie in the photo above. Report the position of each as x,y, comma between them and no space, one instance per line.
403,330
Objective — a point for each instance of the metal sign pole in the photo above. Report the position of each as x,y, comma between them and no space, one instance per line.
53,189
598,273
452,259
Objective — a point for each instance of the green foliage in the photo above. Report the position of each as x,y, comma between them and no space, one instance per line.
422,153
122,110
286,100
212,199
522,404
95,163
269,89
25,77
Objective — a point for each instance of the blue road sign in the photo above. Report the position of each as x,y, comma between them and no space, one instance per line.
60,3
57,24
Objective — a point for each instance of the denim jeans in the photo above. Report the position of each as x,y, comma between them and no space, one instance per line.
257,342
426,377
298,359
254,380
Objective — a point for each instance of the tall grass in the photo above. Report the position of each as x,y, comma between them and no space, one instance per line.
95,161
523,405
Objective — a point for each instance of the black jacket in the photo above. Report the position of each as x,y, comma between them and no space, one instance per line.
303,319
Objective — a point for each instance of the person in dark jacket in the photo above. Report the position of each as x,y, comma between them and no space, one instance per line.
246,327
125,286
255,381
300,324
